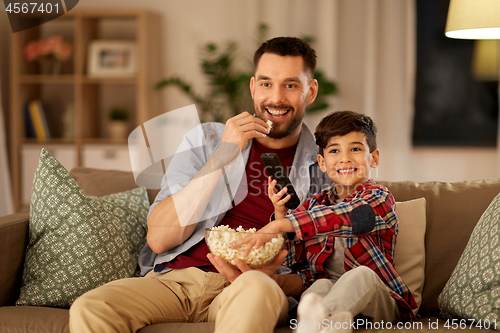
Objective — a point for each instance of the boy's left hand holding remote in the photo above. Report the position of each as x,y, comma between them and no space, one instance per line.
278,198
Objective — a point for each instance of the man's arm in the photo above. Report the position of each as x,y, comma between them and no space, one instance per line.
174,219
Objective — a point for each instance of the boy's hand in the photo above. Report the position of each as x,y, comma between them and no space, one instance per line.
279,204
262,236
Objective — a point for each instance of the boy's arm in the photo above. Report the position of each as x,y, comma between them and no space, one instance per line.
370,212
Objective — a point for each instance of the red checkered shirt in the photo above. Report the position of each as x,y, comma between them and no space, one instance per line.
320,220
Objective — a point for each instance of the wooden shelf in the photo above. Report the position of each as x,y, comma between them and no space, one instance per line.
47,79
105,141
108,80
78,99
59,141
72,79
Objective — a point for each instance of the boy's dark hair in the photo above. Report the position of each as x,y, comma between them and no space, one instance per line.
288,46
341,123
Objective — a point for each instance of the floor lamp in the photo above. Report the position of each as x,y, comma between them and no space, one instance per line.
476,19
473,19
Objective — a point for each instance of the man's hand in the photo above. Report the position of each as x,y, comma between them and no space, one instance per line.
231,273
242,128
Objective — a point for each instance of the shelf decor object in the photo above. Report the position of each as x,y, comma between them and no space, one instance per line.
118,124
112,58
109,57
50,53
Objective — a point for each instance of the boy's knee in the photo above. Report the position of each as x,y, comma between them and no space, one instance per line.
365,271
363,274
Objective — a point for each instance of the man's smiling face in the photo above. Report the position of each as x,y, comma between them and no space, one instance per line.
281,89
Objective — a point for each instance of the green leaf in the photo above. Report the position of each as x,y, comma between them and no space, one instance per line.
229,93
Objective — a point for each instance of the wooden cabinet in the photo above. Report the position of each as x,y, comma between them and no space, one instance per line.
75,104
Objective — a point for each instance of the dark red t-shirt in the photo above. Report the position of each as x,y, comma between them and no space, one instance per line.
252,212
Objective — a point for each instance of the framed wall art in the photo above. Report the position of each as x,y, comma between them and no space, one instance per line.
456,102
109,58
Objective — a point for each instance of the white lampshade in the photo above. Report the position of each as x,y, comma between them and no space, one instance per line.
473,19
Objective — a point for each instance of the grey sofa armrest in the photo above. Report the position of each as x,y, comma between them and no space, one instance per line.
13,242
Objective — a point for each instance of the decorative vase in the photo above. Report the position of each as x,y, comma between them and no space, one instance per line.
50,66
118,130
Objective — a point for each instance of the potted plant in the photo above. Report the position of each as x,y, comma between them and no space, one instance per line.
228,92
118,123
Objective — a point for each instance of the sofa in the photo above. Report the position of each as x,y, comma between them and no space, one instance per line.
451,212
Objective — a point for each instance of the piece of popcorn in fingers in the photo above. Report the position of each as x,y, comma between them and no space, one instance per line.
270,124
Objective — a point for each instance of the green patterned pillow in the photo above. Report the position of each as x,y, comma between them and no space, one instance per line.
473,290
78,242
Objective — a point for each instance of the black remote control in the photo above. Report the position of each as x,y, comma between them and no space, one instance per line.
276,170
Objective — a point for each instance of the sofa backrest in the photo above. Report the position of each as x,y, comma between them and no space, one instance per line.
452,211
99,182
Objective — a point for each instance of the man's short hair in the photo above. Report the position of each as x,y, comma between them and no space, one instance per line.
341,123
288,46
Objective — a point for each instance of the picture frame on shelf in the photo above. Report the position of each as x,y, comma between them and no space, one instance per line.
112,58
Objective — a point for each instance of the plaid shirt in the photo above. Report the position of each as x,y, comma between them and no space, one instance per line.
320,220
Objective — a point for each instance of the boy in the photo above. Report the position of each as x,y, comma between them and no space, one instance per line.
347,232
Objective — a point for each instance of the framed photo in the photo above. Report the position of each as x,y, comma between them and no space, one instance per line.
108,58
455,103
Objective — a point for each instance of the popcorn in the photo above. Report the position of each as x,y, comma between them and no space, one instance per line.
219,244
270,124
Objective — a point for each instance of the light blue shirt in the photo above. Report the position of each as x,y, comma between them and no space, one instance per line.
194,152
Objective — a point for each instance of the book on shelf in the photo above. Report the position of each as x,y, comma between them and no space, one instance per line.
39,121
30,127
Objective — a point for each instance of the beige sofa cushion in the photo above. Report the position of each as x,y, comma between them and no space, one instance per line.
409,259
452,211
103,182
13,242
17,319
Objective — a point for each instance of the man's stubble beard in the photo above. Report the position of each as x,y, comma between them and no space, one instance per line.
277,133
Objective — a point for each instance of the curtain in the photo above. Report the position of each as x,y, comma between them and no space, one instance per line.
376,75
366,46
6,203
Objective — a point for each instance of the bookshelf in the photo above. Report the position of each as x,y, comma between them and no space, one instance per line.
84,99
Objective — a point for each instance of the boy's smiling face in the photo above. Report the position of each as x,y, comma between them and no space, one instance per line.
347,161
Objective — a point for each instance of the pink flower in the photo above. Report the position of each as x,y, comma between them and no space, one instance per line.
31,51
63,52
54,42
43,47
51,47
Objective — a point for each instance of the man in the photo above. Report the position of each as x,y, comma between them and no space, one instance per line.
184,282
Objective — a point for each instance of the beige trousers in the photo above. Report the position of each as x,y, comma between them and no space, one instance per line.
359,291
252,303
